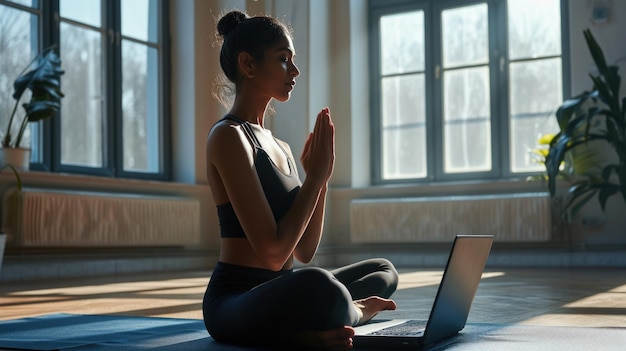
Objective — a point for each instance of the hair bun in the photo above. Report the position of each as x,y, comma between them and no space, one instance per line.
229,22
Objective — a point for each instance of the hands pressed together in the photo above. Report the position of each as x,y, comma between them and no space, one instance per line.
318,156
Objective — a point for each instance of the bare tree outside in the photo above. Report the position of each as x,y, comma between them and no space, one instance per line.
82,114
18,44
135,106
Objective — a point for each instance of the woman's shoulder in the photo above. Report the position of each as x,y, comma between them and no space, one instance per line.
224,125
227,120
225,131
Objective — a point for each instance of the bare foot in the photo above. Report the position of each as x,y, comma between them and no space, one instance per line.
370,306
339,339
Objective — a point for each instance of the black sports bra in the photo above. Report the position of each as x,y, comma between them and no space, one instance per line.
280,189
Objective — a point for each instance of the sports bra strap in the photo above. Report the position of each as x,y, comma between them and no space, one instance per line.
247,129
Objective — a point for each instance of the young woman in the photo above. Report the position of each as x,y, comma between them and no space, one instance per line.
268,216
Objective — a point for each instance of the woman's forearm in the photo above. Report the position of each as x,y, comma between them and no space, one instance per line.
293,225
308,244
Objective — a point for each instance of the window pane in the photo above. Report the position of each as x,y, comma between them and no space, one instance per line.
29,3
534,28
535,92
404,153
465,39
87,12
467,120
403,127
18,45
466,99
140,107
82,123
402,43
139,19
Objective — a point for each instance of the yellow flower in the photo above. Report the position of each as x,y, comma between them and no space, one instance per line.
546,139
542,152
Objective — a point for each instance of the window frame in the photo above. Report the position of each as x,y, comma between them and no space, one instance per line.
49,136
499,80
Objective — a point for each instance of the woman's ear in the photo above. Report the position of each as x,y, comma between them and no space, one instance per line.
246,64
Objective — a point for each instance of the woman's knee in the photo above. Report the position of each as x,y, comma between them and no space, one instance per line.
382,278
392,277
389,267
319,287
326,301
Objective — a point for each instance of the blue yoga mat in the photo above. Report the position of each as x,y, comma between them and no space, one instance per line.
75,332
103,332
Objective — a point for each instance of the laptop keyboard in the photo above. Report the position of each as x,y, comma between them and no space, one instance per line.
412,327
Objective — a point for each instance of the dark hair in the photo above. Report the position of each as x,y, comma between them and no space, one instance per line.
241,33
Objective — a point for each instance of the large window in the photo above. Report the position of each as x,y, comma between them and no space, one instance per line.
463,89
114,116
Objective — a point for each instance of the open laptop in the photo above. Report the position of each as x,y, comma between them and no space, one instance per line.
448,315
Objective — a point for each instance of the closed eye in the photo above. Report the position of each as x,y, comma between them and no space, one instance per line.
286,54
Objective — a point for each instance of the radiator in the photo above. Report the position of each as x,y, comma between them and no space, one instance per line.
41,217
515,218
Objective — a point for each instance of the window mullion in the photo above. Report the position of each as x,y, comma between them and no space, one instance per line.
375,103
50,133
435,117
499,68
164,90
113,79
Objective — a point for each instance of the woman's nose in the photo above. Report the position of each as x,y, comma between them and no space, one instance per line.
294,70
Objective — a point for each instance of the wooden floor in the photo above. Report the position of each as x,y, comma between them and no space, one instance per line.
564,297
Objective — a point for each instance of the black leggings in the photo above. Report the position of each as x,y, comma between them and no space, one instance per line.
251,305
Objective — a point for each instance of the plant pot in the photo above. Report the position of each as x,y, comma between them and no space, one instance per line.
3,240
16,156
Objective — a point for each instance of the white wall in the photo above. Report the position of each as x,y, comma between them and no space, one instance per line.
610,35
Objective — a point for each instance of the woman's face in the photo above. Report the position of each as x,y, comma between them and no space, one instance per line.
276,72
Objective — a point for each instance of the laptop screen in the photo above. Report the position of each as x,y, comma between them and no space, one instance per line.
458,286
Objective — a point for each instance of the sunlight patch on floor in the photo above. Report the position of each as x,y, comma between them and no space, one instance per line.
604,309
577,320
122,287
607,299
420,279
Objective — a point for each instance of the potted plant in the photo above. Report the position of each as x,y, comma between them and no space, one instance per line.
596,116
43,80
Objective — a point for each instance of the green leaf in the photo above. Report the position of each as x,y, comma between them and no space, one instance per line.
555,157
612,130
579,194
565,112
605,192
597,54
617,81
589,115
559,147
47,72
44,82
38,110
605,93
18,179
608,170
